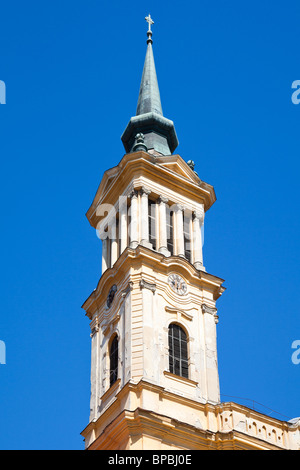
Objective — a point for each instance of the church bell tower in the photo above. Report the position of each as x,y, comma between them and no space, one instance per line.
153,314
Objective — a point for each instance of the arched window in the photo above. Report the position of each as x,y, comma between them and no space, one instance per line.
113,358
178,351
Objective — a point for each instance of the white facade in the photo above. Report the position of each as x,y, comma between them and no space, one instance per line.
155,262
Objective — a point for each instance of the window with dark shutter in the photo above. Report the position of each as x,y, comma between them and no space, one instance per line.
113,356
178,352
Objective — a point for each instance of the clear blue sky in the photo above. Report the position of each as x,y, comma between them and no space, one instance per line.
72,71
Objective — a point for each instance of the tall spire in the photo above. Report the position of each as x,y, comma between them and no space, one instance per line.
149,96
158,132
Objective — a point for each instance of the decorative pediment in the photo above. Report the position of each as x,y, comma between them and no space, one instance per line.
176,164
139,168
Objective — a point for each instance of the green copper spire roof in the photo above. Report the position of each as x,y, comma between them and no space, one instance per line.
158,132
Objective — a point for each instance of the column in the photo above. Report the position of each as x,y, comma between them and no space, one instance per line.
134,219
179,230
104,254
163,236
198,217
123,235
114,244
145,217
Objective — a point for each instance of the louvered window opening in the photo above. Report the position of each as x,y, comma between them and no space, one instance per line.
187,240
170,232
152,226
113,361
178,352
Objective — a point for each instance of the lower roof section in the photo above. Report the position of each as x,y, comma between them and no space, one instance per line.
145,416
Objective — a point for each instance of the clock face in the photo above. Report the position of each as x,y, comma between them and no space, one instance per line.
177,284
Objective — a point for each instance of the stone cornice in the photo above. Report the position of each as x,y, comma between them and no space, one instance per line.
122,269
132,166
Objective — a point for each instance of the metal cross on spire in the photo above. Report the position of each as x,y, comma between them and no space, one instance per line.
149,21
149,32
